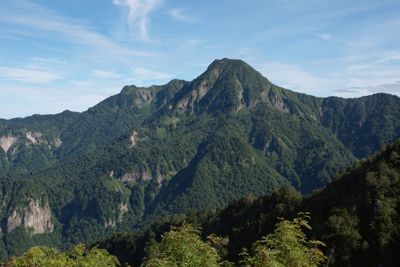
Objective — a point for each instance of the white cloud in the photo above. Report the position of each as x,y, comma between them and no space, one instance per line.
42,22
295,78
356,91
105,74
137,14
191,43
300,4
179,14
147,74
44,60
29,75
371,62
353,81
44,100
325,36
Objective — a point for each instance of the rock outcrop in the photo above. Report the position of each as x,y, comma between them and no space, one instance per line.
7,141
34,138
57,142
36,218
123,209
136,176
133,138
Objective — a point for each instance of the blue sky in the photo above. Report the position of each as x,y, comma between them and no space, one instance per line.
57,55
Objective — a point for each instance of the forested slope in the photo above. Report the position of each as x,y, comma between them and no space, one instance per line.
175,148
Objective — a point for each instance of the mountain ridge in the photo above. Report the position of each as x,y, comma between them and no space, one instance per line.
178,147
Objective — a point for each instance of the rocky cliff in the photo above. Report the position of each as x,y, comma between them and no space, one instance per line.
36,218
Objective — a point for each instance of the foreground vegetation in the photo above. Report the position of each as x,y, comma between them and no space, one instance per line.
182,246
78,256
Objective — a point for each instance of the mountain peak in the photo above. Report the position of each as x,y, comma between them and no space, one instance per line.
232,66
227,62
226,86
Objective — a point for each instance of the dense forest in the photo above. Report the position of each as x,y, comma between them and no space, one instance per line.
354,221
355,218
188,147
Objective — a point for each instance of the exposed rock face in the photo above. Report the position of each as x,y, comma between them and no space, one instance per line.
13,221
110,223
200,90
136,176
143,95
34,138
7,141
57,142
182,106
129,177
35,218
123,209
139,95
146,176
279,104
133,138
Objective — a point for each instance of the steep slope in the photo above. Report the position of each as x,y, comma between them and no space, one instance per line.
29,145
363,124
147,152
356,216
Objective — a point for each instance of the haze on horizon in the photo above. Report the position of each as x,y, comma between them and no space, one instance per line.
57,55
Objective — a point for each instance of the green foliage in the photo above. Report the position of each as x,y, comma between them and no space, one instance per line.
18,241
182,247
364,125
287,246
78,256
343,234
356,216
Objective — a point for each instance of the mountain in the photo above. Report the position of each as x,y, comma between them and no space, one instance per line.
356,216
174,148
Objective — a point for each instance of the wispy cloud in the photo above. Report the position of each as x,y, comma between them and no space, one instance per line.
29,75
143,76
392,88
105,74
39,21
45,60
325,36
181,15
145,73
52,100
296,78
136,14
357,79
300,4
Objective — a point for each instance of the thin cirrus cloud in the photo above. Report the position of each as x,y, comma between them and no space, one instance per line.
105,74
29,75
294,77
143,75
42,22
180,15
325,36
392,88
136,15
362,79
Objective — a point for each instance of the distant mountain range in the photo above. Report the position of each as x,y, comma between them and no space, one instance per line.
183,146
